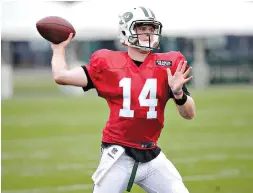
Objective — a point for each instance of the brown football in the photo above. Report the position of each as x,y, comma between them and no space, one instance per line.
55,29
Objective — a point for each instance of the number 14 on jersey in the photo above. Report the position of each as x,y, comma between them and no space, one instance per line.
150,87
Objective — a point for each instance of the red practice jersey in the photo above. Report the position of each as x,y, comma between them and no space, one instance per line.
136,96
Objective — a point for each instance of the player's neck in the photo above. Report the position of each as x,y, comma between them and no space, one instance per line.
135,54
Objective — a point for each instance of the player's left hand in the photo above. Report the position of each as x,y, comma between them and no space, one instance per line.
179,78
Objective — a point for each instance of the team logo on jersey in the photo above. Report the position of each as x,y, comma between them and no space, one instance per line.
163,62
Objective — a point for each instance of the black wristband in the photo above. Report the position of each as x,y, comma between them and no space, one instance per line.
181,101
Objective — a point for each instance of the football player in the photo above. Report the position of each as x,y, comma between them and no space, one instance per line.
136,84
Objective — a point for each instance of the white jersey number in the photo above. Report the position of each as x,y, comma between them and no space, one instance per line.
150,87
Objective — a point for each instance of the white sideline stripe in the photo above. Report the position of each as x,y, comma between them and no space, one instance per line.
55,189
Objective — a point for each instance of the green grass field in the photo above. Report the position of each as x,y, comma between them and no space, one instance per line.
52,144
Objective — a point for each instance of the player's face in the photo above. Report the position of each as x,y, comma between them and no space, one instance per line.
145,31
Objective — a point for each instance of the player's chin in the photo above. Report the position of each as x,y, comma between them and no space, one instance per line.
144,51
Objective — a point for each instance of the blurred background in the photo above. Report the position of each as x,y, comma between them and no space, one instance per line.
51,134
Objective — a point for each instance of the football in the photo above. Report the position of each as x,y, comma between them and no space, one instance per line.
55,29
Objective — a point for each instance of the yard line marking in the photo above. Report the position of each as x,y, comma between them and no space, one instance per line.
53,189
213,157
47,169
225,174
48,138
37,169
43,154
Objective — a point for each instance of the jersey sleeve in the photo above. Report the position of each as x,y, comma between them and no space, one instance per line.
179,57
90,84
94,70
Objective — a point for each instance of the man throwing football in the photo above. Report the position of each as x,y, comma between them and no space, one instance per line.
136,85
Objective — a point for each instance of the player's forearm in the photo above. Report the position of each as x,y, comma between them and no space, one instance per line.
59,65
187,110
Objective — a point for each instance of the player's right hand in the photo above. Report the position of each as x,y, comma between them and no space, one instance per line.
62,45
179,78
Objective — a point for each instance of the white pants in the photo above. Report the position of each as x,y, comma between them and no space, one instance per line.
156,176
